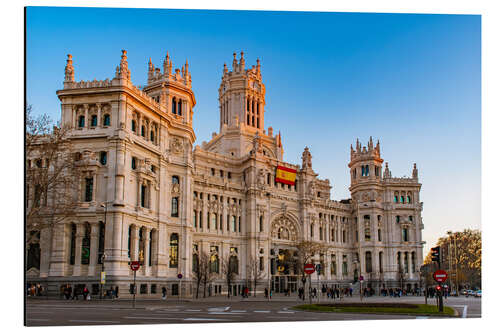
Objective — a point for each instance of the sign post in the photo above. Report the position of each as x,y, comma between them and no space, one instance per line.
440,276
134,266
309,269
318,270
179,276
361,278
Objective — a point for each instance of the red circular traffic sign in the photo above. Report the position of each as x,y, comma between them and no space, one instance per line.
134,265
309,268
440,275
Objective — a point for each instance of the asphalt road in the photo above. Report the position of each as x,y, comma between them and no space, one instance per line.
65,313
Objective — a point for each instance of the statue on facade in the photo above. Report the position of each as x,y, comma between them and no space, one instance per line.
306,159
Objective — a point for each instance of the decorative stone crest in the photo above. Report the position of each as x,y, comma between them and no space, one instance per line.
284,229
176,146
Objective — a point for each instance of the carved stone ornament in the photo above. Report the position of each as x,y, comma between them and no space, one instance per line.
176,188
176,146
284,229
365,197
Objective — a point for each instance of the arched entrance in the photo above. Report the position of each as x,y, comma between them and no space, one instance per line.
284,256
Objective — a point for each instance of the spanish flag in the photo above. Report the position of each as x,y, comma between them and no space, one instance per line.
285,175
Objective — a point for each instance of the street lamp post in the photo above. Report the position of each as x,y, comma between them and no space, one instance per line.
103,256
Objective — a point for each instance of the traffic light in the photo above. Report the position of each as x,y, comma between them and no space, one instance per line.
438,288
436,253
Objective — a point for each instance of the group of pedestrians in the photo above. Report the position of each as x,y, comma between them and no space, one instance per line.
35,290
74,293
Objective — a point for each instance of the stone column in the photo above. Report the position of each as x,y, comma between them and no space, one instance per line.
99,106
146,235
87,122
94,244
134,243
80,232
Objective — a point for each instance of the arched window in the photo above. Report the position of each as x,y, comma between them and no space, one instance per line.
107,120
406,262
175,179
196,262
402,199
89,188
368,261
179,107
143,131
396,194
320,233
213,221
174,251
333,267
93,120
413,262
312,230
152,136
134,163
195,219
398,218
33,256
175,207
174,105
133,126
81,121
408,199
143,196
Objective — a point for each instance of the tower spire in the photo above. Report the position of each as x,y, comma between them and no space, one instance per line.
69,71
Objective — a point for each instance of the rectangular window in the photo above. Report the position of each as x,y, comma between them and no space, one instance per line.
344,265
103,158
134,163
143,195
379,235
175,207
93,121
89,184
195,215
261,223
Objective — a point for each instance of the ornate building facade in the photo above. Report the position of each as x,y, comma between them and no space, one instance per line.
148,194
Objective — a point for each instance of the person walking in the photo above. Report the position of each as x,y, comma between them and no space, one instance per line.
265,292
163,293
86,296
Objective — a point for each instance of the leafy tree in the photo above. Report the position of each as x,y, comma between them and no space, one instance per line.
464,249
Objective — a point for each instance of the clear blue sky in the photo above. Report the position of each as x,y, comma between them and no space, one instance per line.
412,81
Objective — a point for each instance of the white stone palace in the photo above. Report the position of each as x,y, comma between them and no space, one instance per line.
147,193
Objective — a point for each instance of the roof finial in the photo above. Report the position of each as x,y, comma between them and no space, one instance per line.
69,71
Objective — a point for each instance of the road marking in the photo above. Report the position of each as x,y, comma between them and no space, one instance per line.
94,321
421,317
148,318
38,319
239,311
205,319
218,309
194,310
222,313
262,311
286,312
464,314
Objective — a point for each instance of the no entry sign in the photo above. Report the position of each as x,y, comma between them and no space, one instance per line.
134,265
440,275
309,268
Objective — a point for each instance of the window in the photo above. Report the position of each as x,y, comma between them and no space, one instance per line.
100,250
312,230
195,218
213,221
72,244
212,170
222,174
103,157
239,223
81,121
233,223
143,195
333,267
368,262
398,218
320,233
379,232
93,121
133,126
214,259
174,251
233,264
196,263
179,107
86,245
380,261
406,262
175,207
152,136
367,170
405,235
134,163
107,120
261,223
261,263
413,258
153,169
395,199
143,131
229,175
89,184
344,265
174,106
175,180
402,199
408,199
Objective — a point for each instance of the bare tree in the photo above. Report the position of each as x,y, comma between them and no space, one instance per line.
230,271
254,272
52,174
306,250
201,272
